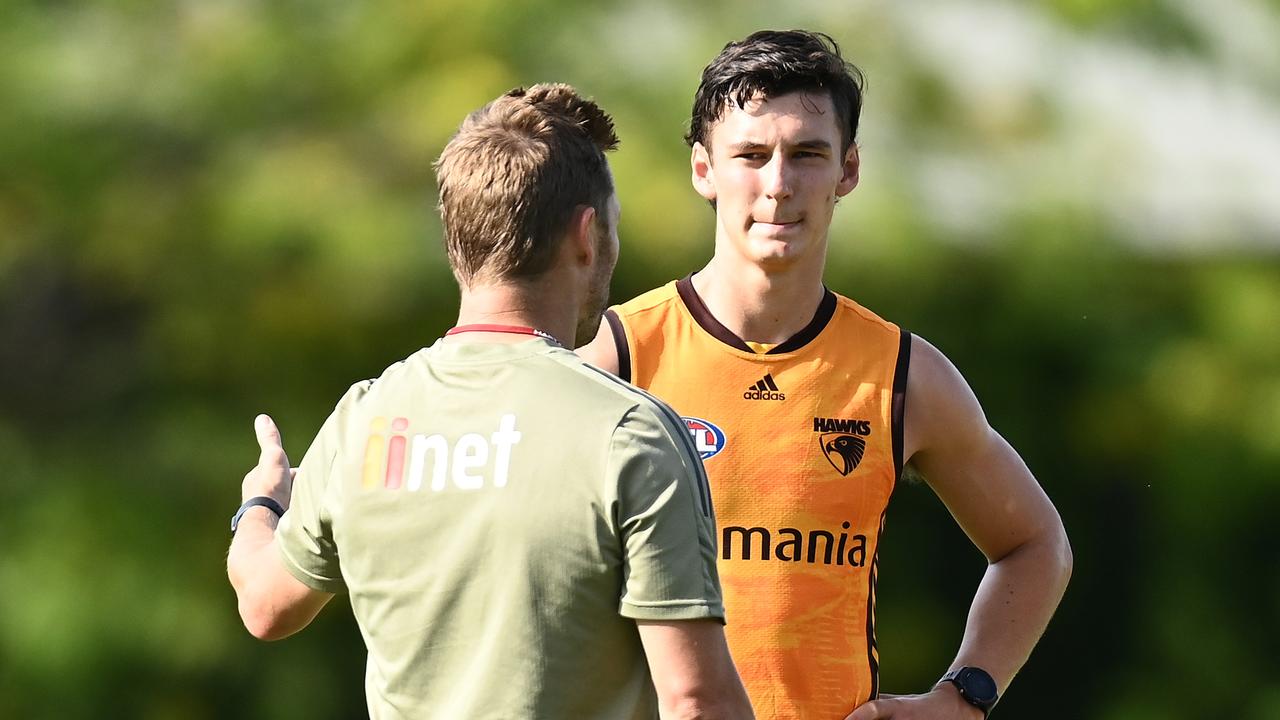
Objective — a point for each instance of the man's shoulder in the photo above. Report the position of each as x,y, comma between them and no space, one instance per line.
858,312
390,376
602,388
654,299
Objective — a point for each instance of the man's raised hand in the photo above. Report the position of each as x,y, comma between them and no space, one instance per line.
272,476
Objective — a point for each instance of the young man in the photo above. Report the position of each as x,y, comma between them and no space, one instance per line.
521,535
806,406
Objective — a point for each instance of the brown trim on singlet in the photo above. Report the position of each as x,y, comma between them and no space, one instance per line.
873,664
899,407
826,309
620,342
707,321
897,421
704,318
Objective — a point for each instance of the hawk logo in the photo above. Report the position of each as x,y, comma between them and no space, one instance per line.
764,389
844,452
843,441
708,439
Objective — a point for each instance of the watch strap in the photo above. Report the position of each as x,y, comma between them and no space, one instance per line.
257,501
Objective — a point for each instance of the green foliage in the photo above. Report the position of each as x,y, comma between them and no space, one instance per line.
208,210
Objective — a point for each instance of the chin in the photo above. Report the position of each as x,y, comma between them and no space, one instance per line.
589,323
773,251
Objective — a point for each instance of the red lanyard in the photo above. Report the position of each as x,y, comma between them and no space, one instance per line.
511,329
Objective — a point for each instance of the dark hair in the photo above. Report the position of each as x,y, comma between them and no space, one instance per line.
773,63
512,176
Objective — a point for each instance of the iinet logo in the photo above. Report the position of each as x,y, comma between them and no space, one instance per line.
464,463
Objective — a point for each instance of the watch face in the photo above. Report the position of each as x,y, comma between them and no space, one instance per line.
978,685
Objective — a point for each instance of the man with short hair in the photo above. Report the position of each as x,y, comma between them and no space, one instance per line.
521,535
806,407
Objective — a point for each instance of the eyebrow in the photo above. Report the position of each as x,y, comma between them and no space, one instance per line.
747,145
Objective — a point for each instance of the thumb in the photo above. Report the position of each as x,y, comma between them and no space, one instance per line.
269,442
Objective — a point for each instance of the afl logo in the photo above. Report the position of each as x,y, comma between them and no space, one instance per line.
707,438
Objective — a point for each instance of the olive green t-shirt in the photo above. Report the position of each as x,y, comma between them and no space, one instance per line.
500,514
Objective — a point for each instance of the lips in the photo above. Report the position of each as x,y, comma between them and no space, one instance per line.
775,225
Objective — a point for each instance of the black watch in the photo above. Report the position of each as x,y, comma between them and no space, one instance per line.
975,686
259,501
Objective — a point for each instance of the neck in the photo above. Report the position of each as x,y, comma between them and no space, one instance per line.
760,304
519,303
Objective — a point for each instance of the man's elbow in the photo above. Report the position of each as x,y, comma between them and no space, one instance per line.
1053,555
725,699
704,707
264,622
1046,553
1065,557
263,618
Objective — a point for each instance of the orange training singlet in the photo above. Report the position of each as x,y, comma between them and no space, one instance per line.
802,445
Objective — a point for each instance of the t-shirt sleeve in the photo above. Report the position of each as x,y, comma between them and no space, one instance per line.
665,520
305,533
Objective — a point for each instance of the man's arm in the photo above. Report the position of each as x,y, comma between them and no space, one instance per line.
692,671
273,603
995,499
666,525
602,351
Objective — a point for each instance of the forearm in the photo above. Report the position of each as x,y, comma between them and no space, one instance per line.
252,548
253,538
272,604
1013,605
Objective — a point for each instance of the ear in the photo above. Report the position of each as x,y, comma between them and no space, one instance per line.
849,172
582,237
704,180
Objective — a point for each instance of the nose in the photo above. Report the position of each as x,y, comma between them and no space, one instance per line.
777,180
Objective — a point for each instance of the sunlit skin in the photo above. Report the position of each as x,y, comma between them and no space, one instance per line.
774,170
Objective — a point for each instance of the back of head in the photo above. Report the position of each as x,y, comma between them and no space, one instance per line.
512,176
772,63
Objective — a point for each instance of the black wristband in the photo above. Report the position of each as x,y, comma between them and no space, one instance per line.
261,500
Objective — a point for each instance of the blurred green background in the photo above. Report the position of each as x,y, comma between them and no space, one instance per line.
212,209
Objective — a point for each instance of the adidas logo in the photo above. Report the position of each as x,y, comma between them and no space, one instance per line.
765,389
